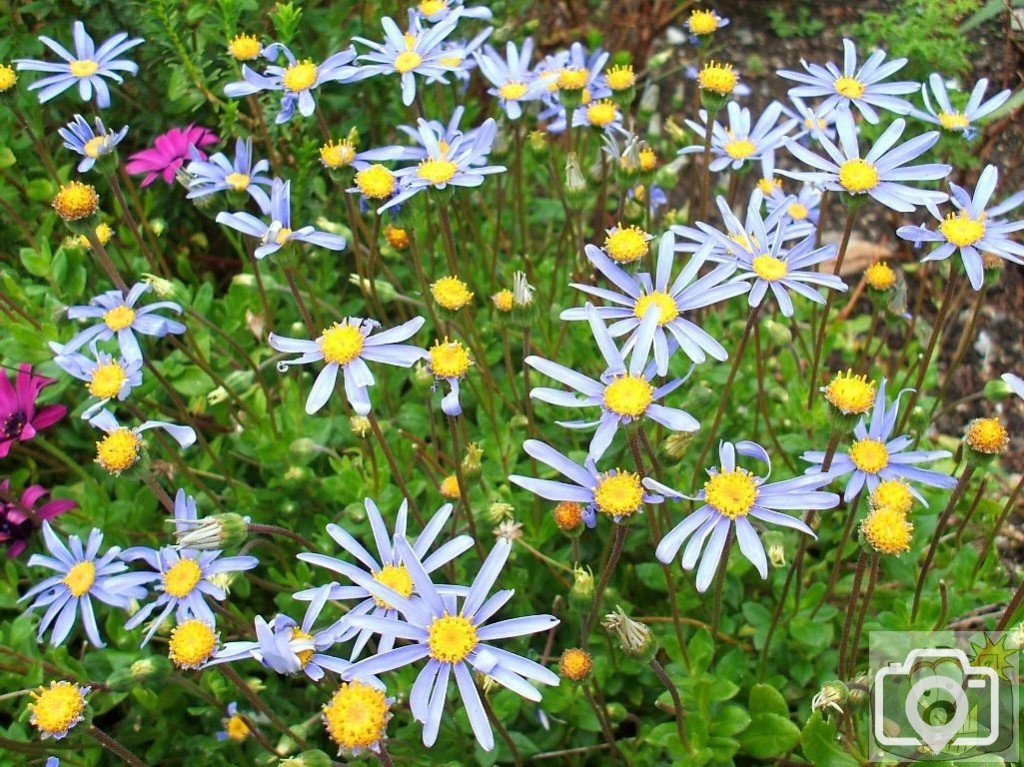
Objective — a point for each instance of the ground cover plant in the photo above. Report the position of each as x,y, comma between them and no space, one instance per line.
442,383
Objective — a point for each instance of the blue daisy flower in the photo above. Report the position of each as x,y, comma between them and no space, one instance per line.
514,81
219,174
739,143
106,378
952,119
92,144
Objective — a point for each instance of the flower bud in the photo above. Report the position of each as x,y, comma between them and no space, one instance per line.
360,426
635,638
575,184
471,462
985,438
499,511
220,531
831,698
576,665
582,592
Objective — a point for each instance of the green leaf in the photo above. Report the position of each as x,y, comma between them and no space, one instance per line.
769,735
818,741
36,263
765,699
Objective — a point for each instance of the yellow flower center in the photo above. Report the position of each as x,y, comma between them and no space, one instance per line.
119,450
406,61
396,578
7,78
236,728
880,276
739,148
95,146
731,493
84,68
503,300
57,708
620,78
119,318
512,91
858,176
568,516
887,530
987,435
304,656
430,7
337,154
451,293
376,182
626,245
299,76
283,235
192,644
449,359
893,494
450,487
769,186
573,79
850,87
852,394
746,241
703,22
667,309
575,664
953,121
451,638
397,238
437,171
769,268
629,395
869,455
602,113
237,182
182,577
798,211
107,381
962,230
356,716
648,159
717,78
341,343
619,494
80,578
103,234
244,47
75,201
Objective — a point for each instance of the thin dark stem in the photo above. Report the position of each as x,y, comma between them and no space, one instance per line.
496,723
257,702
705,183
779,605
453,427
258,529
659,671
606,729
837,566
396,473
383,755
115,747
1000,521
864,607
307,318
851,611
606,575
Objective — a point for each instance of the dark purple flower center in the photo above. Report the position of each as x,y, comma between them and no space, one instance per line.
12,425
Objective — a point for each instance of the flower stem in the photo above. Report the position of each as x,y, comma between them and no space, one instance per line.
112,745
851,214
257,702
606,575
606,729
496,723
705,183
865,604
1010,504
307,318
453,427
940,528
837,566
396,473
258,529
851,610
659,671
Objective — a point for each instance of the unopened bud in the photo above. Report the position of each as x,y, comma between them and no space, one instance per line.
677,443
499,511
779,334
472,462
635,638
582,591
220,531
360,426
575,184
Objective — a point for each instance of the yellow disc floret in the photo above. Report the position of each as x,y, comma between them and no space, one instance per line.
76,201
356,717
703,22
451,293
503,300
648,159
407,61
376,182
337,154
57,708
894,494
619,494
880,276
304,656
513,91
869,455
627,244
568,516
119,450
341,343
769,186
451,638
667,308
79,578
858,176
396,578
236,728
602,113
717,78
83,68
449,359
887,531
244,47
192,644
962,230
731,493
300,76
620,78
850,393
8,77
119,318
573,79
107,380
850,87
954,121
430,7
987,435
397,238
182,577
575,664
237,182
739,148
437,171
629,395
450,487
769,268
797,211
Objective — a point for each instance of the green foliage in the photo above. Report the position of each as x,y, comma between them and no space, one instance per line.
795,20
